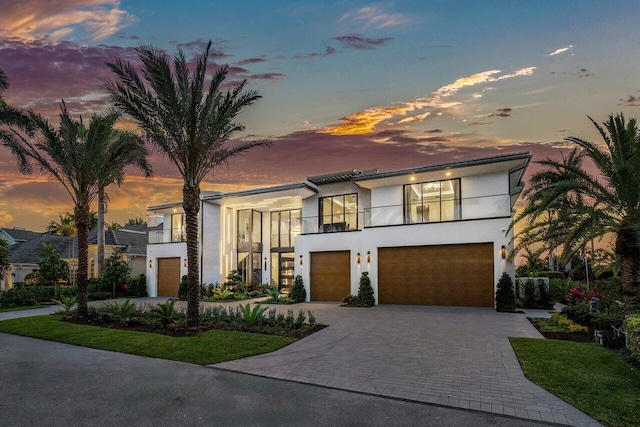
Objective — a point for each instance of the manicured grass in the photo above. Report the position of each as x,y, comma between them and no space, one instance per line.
20,307
589,377
203,348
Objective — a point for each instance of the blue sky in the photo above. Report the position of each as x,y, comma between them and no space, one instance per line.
345,84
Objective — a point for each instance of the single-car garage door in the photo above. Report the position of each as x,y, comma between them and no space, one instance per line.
330,276
168,277
437,275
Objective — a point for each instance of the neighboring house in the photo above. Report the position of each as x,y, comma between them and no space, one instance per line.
131,239
24,255
17,235
434,235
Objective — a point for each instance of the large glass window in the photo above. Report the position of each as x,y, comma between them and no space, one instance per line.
285,226
249,245
433,201
178,231
339,213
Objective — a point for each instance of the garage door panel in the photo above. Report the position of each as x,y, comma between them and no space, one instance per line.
330,275
168,277
437,275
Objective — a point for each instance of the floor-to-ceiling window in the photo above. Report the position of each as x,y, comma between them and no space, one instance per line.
285,226
249,241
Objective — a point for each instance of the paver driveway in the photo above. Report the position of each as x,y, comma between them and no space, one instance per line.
452,356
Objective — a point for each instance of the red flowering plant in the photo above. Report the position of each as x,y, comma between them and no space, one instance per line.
124,287
575,295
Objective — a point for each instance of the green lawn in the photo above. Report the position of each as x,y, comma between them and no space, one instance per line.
21,307
591,378
204,348
548,326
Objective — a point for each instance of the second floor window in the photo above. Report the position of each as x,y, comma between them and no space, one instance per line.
434,201
285,226
339,213
178,230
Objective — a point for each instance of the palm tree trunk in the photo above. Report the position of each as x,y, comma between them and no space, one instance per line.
191,206
82,224
628,249
100,229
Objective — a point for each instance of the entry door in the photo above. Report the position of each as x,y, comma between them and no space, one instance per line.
168,277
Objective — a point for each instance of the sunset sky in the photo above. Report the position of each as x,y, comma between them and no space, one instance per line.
345,84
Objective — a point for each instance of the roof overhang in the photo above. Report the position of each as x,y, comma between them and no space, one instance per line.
288,196
514,164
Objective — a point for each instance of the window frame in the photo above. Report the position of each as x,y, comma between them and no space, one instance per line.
457,202
330,227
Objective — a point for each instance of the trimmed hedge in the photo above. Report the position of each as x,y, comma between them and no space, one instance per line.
632,326
32,295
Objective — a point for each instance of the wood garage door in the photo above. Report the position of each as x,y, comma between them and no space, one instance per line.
437,275
168,277
330,276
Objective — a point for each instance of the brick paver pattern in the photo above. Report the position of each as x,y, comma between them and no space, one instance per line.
451,356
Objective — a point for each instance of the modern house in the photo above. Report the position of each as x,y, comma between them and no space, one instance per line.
433,235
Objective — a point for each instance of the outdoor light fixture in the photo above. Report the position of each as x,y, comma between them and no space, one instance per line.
503,252
300,259
265,263
368,256
358,258
150,264
185,262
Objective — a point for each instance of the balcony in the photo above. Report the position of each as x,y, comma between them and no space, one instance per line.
494,206
174,235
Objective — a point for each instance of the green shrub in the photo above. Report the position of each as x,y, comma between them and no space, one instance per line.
165,311
544,298
551,274
138,285
612,315
66,303
609,291
298,293
580,312
184,288
505,296
252,316
558,288
29,295
529,299
116,271
632,326
365,296
100,295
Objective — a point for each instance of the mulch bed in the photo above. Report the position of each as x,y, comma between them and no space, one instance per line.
567,336
187,331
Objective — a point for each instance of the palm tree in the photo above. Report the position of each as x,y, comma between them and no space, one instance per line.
9,115
187,122
67,224
122,150
597,205
71,155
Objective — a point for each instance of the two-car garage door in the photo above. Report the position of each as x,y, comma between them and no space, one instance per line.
437,275
423,275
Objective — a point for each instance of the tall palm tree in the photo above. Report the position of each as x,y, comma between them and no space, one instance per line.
188,122
597,205
122,150
71,155
10,116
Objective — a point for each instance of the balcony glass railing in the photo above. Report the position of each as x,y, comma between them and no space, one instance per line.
174,235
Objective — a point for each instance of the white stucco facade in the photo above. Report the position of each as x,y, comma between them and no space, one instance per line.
485,192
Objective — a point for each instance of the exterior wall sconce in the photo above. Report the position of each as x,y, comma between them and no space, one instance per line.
503,252
265,263
358,258
300,259
185,262
150,264
368,256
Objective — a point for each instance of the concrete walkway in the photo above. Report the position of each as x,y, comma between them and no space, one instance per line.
452,356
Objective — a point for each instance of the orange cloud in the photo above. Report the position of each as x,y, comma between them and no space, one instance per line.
58,19
366,121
